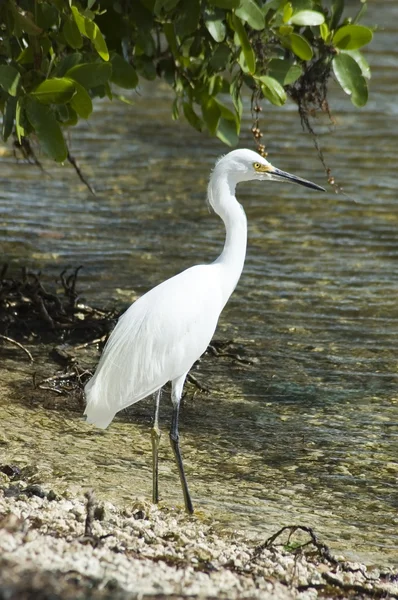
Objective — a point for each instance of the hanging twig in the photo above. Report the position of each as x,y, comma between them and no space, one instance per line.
78,170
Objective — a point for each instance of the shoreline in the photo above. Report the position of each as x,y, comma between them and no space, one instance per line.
66,547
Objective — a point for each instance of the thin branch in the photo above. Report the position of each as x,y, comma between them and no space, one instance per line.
79,172
8,339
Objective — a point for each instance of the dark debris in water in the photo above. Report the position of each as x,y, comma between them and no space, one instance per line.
21,489
315,550
229,349
29,310
12,471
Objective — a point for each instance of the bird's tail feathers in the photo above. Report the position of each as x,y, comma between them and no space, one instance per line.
97,412
123,376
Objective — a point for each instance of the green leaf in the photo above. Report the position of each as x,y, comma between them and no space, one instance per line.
234,91
81,101
293,74
67,115
287,12
90,75
188,17
299,5
215,25
228,125
272,90
24,22
284,71
98,92
220,58
227,132
54,91
324,31
80,20
67,62
247,50
145,67
360,13
124,99
19,128
123,74
9,117
250,12
352,37
211,114
171,38
166,70
278,68
191,116
9,79
47,15
149,4
72,119
337,11
349,75
95,35
218,85
307,18
226,113
47,129
197,44
300,46
89,29
227,4
175,112
286,29
142,15
165,6
242,63
26,56
144,43
108,90
360,60
271,6
72,34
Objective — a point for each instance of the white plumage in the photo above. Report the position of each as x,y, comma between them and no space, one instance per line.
155,341
165,331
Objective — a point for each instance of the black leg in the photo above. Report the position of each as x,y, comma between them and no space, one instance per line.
155,435
175,443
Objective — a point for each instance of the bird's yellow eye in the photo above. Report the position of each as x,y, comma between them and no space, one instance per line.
257,166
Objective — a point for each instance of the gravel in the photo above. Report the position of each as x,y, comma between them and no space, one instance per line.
148,552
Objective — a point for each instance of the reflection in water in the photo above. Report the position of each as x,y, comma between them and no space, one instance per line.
308,434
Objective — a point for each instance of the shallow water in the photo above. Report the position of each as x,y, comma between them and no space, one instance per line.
309,433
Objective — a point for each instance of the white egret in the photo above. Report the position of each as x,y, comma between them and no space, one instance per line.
164,332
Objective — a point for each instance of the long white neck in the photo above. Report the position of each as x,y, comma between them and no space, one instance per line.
221,192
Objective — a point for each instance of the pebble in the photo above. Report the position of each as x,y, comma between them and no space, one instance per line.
160,552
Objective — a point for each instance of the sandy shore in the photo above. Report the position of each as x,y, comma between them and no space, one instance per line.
148,552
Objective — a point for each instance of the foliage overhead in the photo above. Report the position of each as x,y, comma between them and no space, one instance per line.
57,55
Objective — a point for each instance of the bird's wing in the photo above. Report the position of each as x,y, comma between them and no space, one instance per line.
156,340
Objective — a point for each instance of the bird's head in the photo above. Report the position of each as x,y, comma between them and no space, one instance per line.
247,165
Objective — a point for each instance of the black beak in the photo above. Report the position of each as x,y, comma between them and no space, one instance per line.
299,180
